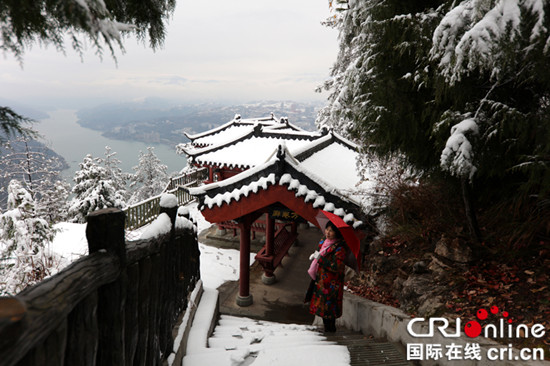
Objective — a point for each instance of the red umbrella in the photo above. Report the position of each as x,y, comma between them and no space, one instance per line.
323,217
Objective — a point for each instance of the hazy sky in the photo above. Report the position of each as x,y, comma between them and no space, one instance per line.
215,50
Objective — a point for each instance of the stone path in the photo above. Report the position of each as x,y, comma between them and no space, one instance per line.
366,351
282,302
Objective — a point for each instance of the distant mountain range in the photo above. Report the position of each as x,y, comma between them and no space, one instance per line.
154,121
23,109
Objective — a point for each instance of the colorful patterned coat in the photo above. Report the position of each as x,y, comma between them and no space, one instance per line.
326,301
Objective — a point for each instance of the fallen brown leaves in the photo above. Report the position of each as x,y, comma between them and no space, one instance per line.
517,285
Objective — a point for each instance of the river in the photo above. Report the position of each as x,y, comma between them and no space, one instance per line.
73,142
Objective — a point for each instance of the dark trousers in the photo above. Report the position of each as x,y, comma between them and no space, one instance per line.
330,325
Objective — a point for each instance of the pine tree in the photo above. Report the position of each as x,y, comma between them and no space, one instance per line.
54,202
94,189
24,239
150,176
118,177
458,88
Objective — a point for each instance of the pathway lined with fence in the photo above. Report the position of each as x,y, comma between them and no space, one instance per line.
116,306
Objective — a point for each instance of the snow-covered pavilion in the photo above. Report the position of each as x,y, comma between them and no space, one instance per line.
241,144
275,171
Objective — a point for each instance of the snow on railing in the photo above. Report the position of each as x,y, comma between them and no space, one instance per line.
186,178
117,305
146,211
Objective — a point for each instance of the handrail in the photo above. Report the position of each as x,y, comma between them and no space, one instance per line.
144,212
118,305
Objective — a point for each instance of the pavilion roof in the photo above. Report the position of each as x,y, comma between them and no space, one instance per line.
236,127
245,145
325,177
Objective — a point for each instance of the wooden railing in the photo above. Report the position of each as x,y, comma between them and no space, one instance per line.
116,306
145,212
194,176
282,243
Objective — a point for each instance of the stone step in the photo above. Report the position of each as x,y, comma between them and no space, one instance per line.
367,351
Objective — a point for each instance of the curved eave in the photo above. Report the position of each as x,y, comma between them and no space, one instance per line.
285,172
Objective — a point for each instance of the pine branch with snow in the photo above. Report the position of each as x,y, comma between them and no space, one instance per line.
458,155
487,36
407,72
103,23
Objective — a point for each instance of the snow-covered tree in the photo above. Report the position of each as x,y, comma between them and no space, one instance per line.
29,162
24,240
119,178
54,202
103,23
94,189
455,87
150,176
38,170
499,51
378,85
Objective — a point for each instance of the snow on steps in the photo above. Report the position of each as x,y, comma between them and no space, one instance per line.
243,341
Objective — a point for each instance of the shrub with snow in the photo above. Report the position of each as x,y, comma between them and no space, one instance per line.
24,240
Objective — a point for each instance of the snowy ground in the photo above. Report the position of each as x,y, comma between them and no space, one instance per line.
236,341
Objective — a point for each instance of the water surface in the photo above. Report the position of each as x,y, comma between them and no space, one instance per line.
73,142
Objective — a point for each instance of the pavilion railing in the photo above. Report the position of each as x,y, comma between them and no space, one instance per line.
146,211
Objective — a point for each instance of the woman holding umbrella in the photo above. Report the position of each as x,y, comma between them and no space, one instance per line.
327,271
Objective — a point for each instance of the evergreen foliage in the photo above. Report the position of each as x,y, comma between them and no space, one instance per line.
150,176
103,22
117,176
459,88
53,203
94,189
24,239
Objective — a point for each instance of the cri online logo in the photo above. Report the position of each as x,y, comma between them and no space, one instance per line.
473,328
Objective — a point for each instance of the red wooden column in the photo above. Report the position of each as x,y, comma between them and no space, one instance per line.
268,278
244,298
210,174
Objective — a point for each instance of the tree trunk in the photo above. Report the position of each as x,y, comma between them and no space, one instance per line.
470,210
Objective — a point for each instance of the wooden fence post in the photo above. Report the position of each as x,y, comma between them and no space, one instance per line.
105,231
167,286
83,334
12,317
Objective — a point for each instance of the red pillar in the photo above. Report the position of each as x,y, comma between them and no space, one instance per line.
269,234
210,174
268,277
244,298
294,228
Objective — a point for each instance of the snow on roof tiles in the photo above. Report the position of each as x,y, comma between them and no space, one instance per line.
249,152
336,164
268,122
228,134
301,189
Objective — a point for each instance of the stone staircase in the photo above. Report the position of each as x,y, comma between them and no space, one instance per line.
367,351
